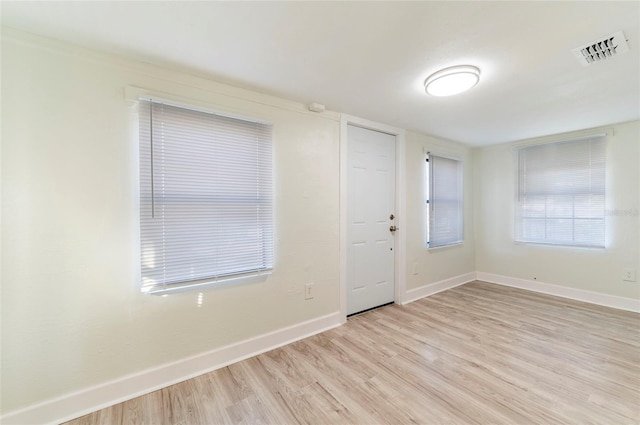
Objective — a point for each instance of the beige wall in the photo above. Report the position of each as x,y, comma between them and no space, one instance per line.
598,270
434,265
72,314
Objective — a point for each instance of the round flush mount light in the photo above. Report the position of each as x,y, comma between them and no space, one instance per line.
453,80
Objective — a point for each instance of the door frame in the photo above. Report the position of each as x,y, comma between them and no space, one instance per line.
400,265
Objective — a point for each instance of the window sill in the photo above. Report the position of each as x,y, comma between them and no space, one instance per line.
443,247
199,285
560,246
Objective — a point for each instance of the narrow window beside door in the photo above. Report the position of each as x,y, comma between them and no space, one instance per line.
206,201
444,201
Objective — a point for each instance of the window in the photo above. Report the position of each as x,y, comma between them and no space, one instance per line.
206,199
561,193
444,200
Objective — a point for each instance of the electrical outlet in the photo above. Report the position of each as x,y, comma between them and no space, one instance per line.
308,291
415,268
629,275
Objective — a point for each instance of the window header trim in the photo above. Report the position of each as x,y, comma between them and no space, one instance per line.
135,94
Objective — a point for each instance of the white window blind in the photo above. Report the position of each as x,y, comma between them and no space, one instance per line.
445,214
206,199
561,193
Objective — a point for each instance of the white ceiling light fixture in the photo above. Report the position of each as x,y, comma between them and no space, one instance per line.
452,80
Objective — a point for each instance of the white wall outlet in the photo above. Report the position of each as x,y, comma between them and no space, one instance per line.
629,275
308,291
415,268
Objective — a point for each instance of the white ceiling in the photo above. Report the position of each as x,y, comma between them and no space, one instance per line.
370,59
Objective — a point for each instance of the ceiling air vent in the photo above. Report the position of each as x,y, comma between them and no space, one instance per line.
603,49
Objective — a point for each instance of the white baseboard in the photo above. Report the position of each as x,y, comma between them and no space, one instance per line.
98,397
613,301
434,288
73,405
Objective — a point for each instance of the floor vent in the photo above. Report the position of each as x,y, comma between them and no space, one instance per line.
601,50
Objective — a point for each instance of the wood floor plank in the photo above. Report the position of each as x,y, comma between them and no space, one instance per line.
476,354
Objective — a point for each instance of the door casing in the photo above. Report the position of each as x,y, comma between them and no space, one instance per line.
400,207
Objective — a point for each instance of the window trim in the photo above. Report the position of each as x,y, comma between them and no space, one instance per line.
552,140
134,95
428,203
198,285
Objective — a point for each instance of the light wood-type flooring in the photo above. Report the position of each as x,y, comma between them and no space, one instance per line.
476,354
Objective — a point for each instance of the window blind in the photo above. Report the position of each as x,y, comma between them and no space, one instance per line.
206,197
561,193
445,213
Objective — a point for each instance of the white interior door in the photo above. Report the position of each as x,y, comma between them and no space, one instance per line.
370,205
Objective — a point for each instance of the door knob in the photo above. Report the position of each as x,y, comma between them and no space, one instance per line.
393,228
